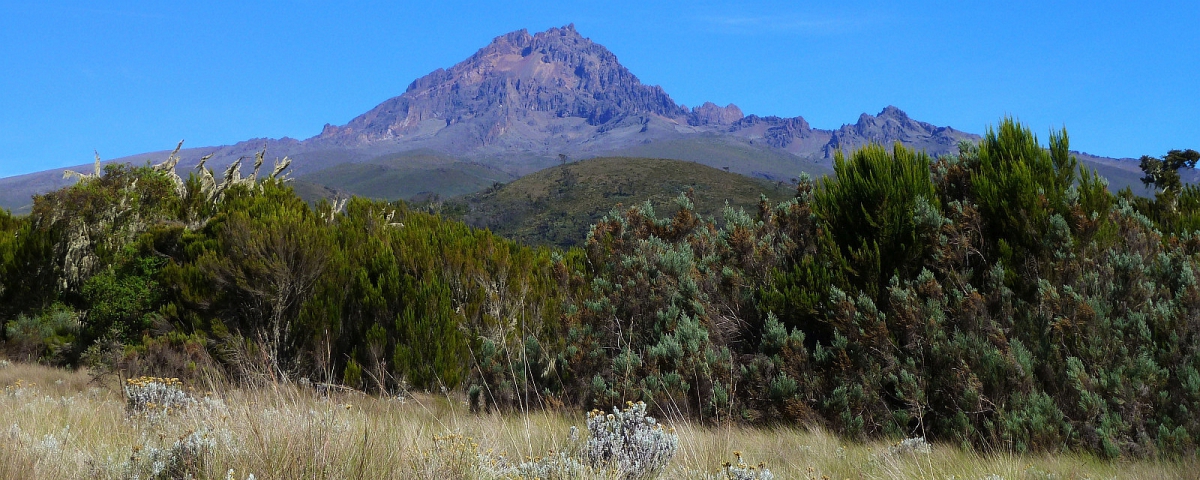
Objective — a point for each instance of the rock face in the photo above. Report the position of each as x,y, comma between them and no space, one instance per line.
518,78
893,125
711,114
791,134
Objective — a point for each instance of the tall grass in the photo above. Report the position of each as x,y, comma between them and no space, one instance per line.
65,424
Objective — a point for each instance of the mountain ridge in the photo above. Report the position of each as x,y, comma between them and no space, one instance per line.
524,100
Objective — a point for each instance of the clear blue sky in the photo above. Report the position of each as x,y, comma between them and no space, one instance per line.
1122,77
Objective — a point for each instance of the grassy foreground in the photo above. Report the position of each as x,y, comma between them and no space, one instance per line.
65,424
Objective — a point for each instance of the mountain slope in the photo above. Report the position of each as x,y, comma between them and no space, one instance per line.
406,175
557,205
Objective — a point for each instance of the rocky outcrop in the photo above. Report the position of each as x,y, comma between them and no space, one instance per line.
711,114
786,131
893,125
776,131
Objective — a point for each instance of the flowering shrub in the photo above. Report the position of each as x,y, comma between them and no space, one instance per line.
742,471
625,444
19,389
154,394
187,458
629,442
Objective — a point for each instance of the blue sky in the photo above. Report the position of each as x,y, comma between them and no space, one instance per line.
1122,77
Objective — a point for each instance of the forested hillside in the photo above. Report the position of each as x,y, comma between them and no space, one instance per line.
1002,297
557,206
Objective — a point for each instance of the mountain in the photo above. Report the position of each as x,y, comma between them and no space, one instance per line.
557,205
557,92
523,100
406,175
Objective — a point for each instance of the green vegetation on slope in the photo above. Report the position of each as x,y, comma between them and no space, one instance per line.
558,205
741,157
407,175
1001,298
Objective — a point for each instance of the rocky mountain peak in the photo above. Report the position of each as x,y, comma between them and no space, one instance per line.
519,38
891,119
553,91
517,82
892,125
892,112
891,122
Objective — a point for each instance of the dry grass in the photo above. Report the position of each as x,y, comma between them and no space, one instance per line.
62,424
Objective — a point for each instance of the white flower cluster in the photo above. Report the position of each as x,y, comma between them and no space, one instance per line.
153,394
629,442
5,364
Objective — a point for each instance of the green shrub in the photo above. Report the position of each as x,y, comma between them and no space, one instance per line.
44,337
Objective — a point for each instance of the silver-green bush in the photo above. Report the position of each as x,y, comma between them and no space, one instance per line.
629,442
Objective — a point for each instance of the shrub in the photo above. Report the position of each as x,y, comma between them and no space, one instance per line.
121,299
552,467
42,337
869,210
154,394
625,444
188,457
629,442
173,355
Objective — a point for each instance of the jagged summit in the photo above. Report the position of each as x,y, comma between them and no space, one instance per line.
893,125
517,78
557,92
